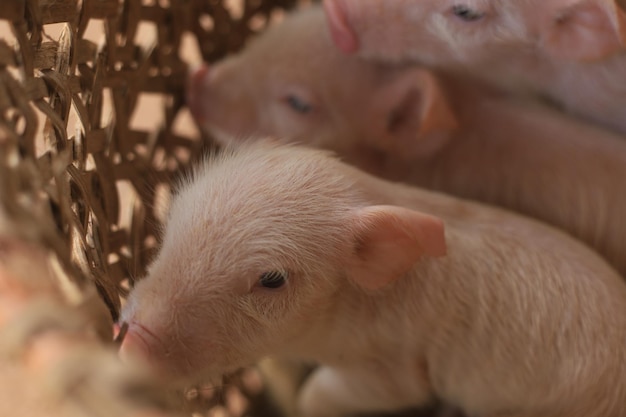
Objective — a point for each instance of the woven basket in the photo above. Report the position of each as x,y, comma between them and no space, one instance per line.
93,127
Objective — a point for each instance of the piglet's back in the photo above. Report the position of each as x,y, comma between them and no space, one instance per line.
528,325
510,288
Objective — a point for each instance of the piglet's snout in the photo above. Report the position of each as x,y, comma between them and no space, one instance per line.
196,91
140,342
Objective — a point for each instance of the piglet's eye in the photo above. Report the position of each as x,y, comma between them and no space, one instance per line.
298,104
273,279
467,13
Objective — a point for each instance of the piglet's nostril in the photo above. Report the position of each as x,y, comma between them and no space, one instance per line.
119,332
195,90
198,75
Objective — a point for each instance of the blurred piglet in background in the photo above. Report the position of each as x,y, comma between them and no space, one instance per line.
432,129
571,51
286,251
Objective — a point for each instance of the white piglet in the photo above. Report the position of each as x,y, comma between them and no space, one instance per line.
283,250
432,129
571,51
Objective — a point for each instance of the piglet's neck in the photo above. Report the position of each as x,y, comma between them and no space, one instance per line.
462,89
480,158
505,146
364,325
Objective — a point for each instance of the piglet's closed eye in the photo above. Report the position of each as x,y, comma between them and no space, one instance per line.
389,240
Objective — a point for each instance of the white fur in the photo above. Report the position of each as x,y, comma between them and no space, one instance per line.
517,320
522,156
509,47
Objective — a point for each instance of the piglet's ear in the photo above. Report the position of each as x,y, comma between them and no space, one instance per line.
389,241
586,31
416,114
341,32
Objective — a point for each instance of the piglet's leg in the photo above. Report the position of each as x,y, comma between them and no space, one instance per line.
331,392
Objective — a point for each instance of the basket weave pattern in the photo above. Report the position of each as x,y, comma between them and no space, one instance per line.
78,178
60,181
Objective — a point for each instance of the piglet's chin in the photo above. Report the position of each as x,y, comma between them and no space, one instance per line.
142,346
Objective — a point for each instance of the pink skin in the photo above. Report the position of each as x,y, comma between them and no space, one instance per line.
506,317
571,51
249,94
194,98
431,129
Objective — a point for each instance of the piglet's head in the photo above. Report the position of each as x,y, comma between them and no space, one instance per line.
293,84
260,245
448,32
290,83
434,32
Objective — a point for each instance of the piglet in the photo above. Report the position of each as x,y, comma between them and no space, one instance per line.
286,251
571,51
432,129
